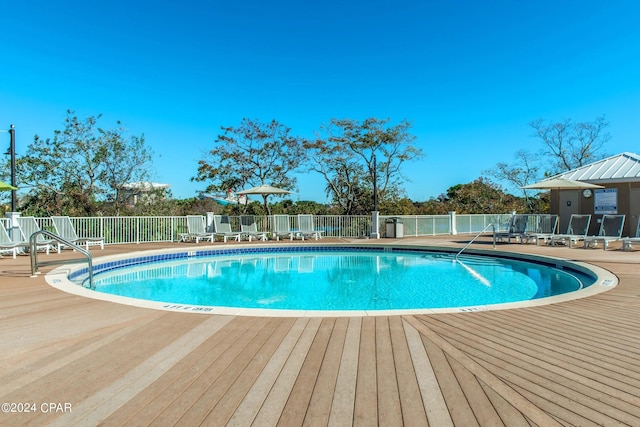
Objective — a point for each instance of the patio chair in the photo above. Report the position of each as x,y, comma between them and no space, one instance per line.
516,229
249,228
545,228
28,226
222,226
8,245
627,242
282,227
306,227
610,231
196,230
576,231
65,229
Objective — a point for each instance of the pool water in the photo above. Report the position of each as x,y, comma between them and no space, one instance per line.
339,280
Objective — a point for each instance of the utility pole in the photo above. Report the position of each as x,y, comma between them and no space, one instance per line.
375,215
12,152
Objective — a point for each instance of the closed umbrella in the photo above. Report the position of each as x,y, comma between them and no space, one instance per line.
6,187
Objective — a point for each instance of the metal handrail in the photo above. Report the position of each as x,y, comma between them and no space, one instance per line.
492,225
33,245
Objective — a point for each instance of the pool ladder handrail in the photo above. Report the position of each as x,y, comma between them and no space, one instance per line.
492,225
34,254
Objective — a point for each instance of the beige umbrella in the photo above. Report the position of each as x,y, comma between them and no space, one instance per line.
265,191
560,184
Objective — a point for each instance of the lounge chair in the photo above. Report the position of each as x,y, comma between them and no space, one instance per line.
28,226
610,231
576,231
249,228
65,229
8,245
627,242
196,230
222,225
306,227
282,227
516,229
546,227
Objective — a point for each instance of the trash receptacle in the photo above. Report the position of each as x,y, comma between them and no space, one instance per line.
394,228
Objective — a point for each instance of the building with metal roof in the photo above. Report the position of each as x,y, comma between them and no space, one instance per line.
620,177
623,167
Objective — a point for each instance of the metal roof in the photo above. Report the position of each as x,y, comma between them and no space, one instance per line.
623,167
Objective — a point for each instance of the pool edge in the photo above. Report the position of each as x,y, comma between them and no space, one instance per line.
605,280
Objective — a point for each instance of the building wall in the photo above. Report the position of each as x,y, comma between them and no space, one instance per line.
628,204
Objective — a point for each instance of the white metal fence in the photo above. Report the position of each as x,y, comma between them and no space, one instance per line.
145,229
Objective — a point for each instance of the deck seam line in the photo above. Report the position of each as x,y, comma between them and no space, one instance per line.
100,405
503,389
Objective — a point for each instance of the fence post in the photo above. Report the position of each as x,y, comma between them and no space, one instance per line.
452,219
375,227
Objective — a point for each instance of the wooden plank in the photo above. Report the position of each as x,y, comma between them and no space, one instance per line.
319,408
480,404
389,411
366,403
342,407
234,381
275,402
525,406
295,410
256,396
413,413
189,397
432,398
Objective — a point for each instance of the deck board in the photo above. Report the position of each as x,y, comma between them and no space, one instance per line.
570,363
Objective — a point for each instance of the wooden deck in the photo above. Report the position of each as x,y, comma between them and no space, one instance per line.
78,361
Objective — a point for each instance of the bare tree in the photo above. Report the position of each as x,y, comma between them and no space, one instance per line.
522,171
570,144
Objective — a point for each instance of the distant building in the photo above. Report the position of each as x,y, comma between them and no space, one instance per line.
620,177
135,192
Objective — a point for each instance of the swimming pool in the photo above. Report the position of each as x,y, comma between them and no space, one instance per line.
336,279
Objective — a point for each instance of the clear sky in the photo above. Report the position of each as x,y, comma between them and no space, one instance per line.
468,75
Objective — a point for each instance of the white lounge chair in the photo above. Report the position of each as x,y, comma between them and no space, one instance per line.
306,228
576,231
8,245
610,231
222,225
516,229
28,226
196,230
546,226
282,227
65,229
627,242
249,228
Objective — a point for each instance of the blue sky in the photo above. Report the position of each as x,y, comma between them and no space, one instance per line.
468,75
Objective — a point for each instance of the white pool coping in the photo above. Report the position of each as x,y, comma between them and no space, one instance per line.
58,278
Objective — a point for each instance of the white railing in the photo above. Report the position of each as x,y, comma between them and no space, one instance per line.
147,229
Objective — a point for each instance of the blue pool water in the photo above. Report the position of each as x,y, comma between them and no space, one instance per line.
339,280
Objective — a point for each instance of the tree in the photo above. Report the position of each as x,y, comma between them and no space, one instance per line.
252,154
82,168
353,154
521,172
570,145
481,196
